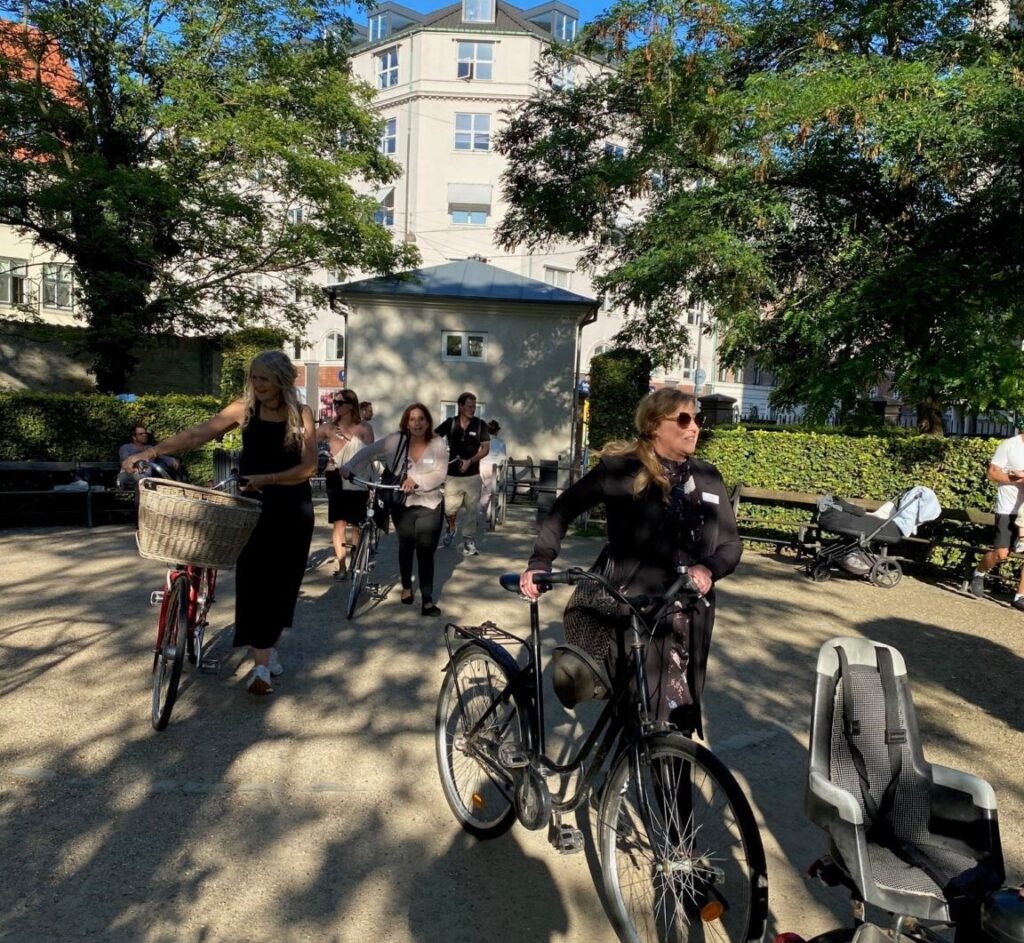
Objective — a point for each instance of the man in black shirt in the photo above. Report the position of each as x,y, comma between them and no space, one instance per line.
468,442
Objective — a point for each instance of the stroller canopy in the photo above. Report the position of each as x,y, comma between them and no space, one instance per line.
913,508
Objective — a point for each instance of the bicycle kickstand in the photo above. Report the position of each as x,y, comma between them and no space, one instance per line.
565,839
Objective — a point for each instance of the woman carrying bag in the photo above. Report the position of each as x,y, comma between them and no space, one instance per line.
418,459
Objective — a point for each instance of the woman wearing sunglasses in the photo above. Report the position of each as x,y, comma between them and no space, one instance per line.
345,433
665,508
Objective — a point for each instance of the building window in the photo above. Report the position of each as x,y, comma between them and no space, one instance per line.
13,281
757,376
468,215
476,61
725,375
477,11
387,68
469,204
385,214
563,27
691,316
334,346
687,367
378,27
295,215
615,151
472,132
564,79
559,277
57,286
389,137
463,345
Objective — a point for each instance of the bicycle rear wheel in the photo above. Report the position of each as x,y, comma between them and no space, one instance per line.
681,854
469,732
360,566
170,653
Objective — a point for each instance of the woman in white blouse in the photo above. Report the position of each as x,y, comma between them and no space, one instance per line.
418,522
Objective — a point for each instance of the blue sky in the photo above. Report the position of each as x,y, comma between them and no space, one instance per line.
588,8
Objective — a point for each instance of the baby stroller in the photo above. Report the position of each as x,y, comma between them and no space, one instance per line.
861,546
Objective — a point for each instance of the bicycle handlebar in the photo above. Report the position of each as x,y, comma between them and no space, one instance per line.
233,479
682,586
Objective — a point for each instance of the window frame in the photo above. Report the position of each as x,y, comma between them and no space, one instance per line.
478,11
387,68
559,22
555,270
472,133
336,336
57,278
385,214
389,134
469,209
464,337
382,22
14,272
473,61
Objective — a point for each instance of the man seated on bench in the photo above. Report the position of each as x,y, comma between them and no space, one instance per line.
140,440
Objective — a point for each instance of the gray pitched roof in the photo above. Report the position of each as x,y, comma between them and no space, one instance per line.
466,279
507,19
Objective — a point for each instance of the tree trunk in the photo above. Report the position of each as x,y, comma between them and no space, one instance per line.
929,416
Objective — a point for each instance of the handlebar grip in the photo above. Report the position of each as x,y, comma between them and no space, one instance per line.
549,579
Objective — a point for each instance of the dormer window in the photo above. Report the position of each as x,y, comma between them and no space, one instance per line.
379,27
477,11
563,27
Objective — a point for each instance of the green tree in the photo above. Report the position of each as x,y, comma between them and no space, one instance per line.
839,183
194,159
619,379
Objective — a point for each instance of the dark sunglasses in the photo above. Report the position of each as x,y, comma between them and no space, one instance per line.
344,402
683,420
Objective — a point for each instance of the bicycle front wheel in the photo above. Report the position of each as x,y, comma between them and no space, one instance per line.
681,854
170,653
360,565
476,715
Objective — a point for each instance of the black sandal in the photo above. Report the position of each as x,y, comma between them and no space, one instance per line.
430,609
407,600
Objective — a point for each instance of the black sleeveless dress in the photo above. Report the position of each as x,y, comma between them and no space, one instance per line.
271,566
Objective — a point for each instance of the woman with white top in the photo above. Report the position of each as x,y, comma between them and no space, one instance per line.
345,435
418,521
498,455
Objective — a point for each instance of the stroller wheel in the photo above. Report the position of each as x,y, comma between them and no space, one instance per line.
885,573
820,571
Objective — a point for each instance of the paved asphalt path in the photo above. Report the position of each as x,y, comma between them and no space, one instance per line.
316,814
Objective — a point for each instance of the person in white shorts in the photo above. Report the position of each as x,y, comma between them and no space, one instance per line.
1006,469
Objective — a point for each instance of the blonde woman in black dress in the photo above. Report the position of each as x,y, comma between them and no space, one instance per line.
278,459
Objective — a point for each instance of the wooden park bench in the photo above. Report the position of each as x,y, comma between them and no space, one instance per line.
27,494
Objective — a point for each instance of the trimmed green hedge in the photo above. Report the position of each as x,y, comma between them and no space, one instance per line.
70,427
869,466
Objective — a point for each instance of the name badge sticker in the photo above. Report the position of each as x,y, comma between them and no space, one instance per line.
708,497
427,460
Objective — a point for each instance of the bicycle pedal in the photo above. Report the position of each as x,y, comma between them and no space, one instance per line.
512,756
209,666
565,839
156,597
375,591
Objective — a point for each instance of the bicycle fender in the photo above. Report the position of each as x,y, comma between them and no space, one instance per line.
501,655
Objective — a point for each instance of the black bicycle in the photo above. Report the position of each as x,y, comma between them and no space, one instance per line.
681,854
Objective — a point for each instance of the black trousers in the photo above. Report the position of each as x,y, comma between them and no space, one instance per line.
419,530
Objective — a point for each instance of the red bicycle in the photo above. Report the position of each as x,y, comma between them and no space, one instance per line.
189,592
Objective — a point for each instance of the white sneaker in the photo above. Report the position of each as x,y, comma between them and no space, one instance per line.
276,668
259,681
469,549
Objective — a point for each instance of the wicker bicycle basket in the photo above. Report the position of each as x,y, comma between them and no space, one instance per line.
181,523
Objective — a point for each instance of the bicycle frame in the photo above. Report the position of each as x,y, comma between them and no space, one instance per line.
526,686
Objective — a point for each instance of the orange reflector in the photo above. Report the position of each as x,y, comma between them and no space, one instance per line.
712,910
478,801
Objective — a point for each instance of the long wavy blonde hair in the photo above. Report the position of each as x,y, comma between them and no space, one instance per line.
282,373
650,411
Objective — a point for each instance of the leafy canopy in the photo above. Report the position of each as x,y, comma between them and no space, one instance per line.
194,159
838,182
